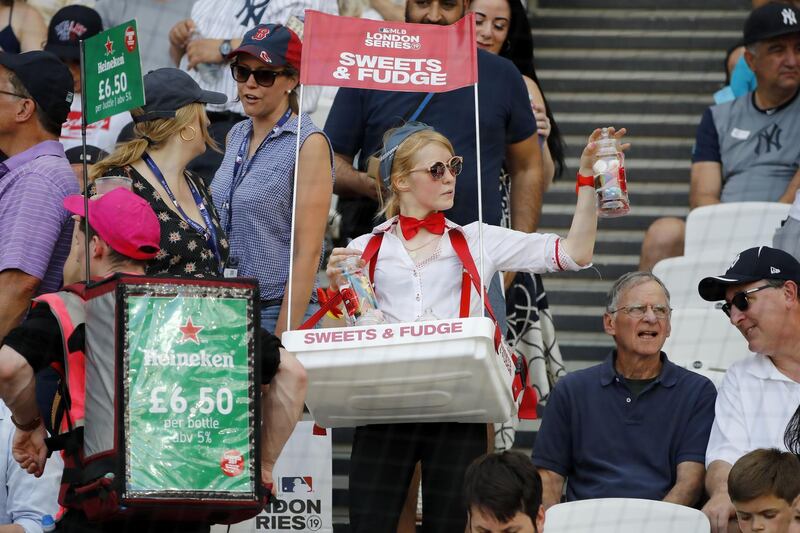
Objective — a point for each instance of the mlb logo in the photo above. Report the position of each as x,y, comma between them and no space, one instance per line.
298,484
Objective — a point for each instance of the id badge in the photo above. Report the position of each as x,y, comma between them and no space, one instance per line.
231,270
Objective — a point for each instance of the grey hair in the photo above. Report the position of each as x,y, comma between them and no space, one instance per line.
629,281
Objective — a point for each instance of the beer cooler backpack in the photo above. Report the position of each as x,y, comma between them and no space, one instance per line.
162,410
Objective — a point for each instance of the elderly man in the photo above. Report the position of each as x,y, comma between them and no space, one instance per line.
35,97
759,394
747,149
635,426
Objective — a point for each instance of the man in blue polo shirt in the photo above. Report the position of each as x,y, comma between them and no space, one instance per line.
636,425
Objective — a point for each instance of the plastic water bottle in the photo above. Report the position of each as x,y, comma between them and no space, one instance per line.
609,178
48,524
361,306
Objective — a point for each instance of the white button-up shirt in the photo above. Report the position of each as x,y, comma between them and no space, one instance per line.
754,404
408,292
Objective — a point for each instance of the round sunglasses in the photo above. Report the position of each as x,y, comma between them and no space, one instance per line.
436,170
740,299
263,77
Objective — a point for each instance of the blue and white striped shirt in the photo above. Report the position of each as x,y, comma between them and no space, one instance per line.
259,219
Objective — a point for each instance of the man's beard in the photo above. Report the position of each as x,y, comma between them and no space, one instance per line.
443,23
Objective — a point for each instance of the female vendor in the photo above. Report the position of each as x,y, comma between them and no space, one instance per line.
418,277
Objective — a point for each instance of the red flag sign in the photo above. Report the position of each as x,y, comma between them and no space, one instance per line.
389,56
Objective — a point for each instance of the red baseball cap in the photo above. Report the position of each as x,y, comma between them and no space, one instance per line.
123,219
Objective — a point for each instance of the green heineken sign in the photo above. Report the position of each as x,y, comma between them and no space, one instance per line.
112,72
190,414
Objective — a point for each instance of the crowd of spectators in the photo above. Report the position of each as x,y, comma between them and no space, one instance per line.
743,151
212,153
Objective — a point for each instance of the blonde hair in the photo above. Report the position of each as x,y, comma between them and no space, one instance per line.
403,163
157,132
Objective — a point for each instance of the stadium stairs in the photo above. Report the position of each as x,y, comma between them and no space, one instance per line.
651,66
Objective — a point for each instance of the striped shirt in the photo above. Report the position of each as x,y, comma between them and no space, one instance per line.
259,222
230,19
36,228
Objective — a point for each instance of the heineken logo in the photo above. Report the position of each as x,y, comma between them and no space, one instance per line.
188,360
109,46
190,331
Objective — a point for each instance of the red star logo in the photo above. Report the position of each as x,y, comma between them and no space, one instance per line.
109,46
190,332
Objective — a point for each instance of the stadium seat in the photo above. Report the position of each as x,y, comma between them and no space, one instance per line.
682,274
624,515
727,229
704,341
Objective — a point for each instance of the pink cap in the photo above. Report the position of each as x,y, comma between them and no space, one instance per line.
123,219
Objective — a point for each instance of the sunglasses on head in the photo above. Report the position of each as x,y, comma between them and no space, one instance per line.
263,77
740,299
436,170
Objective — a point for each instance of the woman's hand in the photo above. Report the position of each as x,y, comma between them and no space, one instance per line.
334,270
542,122
590,151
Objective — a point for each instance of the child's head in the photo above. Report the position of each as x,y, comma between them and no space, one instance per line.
503,492
408,161
763,486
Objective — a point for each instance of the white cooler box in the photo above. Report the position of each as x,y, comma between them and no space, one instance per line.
433,371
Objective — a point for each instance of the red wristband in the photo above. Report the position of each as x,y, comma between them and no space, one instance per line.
584,181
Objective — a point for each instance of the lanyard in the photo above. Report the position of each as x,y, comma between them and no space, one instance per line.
208,232
240,170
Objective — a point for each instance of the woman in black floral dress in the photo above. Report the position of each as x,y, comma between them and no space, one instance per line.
171,129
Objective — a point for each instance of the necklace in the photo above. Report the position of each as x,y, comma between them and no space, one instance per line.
412,252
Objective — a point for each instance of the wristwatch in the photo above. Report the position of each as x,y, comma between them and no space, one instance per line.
225,48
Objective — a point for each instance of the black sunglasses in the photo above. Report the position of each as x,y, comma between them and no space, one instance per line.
436,170
740,299
263,77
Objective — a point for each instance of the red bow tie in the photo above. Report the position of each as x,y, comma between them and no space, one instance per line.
410,226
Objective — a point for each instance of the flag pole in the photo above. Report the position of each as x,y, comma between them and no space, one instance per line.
480,198
83,157
294,211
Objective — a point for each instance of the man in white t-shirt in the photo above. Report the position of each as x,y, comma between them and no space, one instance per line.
67,28
759,394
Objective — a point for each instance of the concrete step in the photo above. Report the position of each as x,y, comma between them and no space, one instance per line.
639,218
629,103
643,147
576,297
639,19
634,39
623,81
615,59
589,353
637,124
636,195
